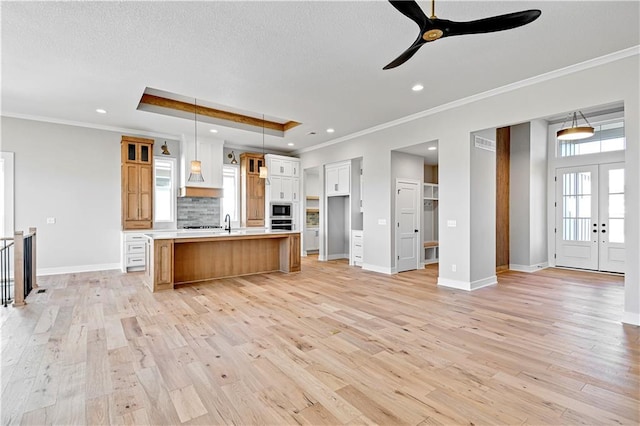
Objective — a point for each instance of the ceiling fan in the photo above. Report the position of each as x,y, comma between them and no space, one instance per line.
433,28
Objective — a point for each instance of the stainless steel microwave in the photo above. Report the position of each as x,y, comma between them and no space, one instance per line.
280,210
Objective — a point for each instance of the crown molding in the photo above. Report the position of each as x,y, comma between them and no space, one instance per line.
92,126
581,66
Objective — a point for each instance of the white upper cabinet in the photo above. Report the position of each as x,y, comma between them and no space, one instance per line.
283,166
338,178
281,189
284,178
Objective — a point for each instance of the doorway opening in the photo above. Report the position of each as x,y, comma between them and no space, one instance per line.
590,217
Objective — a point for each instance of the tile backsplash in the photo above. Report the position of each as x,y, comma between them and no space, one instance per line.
195,211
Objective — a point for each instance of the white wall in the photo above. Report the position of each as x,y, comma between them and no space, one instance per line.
483,213
528,196
609,80
73,175
538,224
519,194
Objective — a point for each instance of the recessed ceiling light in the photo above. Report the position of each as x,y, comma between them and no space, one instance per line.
290,144
101,111
330,130
213,131
432,148
417,87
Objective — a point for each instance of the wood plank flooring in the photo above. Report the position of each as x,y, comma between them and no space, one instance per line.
330,345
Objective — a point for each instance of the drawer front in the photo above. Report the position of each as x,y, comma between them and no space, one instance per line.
134,237
357,258
135,247
135,260
357,251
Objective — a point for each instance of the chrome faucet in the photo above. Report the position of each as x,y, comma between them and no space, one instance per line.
227,223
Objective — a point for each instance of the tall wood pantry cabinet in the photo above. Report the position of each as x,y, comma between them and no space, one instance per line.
252,190
137,182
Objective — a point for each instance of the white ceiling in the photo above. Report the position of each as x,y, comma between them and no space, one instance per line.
318,63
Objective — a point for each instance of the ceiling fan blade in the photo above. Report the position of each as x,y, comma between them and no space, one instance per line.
495,23
407,54
411,10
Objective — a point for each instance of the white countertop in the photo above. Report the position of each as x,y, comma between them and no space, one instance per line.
211,233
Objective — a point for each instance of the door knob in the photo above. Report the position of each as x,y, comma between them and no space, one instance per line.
604,231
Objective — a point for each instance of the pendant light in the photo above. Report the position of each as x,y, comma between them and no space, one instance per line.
196,166
575,132
264,173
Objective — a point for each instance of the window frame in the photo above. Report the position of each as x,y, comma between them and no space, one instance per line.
172,192
226,170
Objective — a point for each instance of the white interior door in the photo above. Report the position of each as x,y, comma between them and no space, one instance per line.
590,217
407,229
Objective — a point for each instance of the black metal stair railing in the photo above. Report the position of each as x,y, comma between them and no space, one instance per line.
6,280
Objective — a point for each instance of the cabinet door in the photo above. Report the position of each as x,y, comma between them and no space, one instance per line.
295,169
276,168
132,195
294,252
344,179
332,181
146,193
275,189
287,189
255,199
295,190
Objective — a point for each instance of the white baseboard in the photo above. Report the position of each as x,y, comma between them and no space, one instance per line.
632,318
492,280
528,268
337,256
78,268
466,285
459,285
376,268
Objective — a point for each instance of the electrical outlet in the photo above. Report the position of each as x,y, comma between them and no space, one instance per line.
51,220
453,268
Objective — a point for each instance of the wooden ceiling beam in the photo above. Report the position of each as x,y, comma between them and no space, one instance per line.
216,113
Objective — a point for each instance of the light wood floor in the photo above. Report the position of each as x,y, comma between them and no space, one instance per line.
329,345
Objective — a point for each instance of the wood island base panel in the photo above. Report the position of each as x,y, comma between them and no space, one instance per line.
175,259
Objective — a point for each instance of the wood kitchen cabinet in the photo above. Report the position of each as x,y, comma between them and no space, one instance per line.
252,190
137,182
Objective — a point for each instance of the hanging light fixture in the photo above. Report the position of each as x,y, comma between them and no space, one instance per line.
264,173
196,166
575,132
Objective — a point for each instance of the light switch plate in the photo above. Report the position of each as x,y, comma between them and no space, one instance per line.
51,220
451,223
382,221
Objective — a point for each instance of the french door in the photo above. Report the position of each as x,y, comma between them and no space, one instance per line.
590,217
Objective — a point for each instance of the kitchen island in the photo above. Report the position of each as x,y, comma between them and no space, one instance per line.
185,257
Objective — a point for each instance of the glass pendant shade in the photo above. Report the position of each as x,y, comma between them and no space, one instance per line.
575,132
195,174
